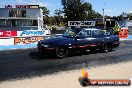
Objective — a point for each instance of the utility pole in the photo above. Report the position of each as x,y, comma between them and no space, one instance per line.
103,18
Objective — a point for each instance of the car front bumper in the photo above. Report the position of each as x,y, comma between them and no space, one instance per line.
45,49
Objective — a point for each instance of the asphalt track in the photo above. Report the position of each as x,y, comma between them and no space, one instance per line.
26,63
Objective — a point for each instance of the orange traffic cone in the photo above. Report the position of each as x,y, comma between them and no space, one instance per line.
84,73
84,79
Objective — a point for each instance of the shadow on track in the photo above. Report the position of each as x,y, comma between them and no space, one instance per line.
40,56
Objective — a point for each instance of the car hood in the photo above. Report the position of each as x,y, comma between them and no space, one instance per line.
58,40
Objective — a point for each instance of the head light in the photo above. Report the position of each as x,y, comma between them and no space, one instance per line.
39,41
44,45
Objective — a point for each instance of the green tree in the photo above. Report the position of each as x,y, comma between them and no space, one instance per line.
125,15
45,11
58,12
46,17
129,15
58,16
72,9
49,20
97,15
122,16
78,10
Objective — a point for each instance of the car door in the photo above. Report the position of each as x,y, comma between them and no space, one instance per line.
106,37
97,38
82,40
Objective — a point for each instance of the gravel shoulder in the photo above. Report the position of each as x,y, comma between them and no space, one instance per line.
69,79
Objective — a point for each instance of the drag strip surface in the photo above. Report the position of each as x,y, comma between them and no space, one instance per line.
29,62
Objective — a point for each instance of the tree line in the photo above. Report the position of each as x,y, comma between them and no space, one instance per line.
74,10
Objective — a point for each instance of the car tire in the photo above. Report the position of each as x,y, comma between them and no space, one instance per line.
61,52
110,48
106,48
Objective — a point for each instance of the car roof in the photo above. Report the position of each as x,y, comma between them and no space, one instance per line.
91,29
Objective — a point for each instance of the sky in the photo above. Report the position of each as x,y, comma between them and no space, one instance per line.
112,7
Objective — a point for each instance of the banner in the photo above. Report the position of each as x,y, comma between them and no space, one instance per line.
123,33
27,40
24,33
81,23
8,33
27,6
28,33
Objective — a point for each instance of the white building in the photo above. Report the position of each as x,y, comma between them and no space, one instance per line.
22,17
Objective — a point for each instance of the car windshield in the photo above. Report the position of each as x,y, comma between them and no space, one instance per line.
71,32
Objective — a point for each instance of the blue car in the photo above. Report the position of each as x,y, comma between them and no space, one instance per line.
79,39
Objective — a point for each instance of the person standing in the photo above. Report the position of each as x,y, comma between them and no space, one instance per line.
116,29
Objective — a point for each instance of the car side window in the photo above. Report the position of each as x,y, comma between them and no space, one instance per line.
96,34
107,34
84,34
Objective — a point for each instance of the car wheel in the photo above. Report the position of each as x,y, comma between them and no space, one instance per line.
110,48
61,52
106,49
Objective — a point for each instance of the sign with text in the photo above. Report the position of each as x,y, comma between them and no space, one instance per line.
86,81
22,6
27,40
33,6
98,23
27,6
81,23
8,33
28,33
25,33
123,33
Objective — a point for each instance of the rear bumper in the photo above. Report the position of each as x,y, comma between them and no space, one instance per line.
115,45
